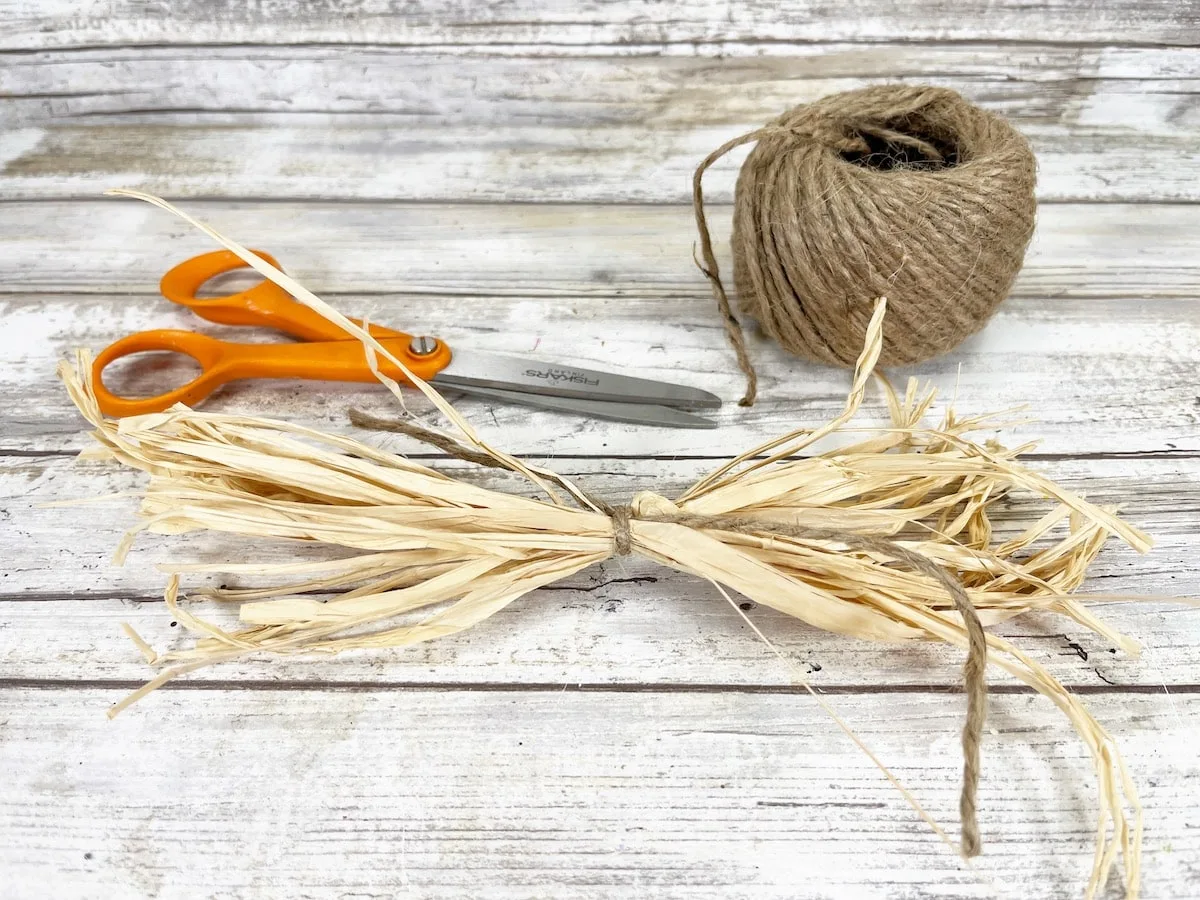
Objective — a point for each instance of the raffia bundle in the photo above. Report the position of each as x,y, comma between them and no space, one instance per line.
886,538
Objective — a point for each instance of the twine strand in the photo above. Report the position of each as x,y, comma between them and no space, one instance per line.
733,328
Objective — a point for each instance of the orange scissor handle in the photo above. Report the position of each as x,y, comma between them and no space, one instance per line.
265,305
225,361
205,351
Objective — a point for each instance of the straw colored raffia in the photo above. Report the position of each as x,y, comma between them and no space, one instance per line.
887,538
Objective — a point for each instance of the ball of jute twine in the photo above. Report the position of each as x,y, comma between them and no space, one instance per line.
907,192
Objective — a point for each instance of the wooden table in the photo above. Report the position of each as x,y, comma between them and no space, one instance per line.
516,177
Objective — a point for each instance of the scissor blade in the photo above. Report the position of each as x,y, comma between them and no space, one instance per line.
530,376
639,413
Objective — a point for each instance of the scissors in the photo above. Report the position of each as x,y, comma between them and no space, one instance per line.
330,354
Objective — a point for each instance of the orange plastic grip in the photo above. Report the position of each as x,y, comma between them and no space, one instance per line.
265,305
207,352
224,361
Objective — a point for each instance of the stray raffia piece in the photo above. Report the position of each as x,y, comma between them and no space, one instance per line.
885,538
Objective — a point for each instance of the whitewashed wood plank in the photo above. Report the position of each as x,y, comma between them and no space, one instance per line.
625,628
611,284
1126,90
364,160
1100,375
627,621
35,24
388,124
114,246
529,795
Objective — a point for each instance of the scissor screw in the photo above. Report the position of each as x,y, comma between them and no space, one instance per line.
422,346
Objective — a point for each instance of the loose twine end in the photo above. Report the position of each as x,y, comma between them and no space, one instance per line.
733,328
974,669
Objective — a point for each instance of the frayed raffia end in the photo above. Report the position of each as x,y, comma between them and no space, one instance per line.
886,538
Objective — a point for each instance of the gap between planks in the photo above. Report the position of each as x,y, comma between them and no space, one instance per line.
524,50
633,687
723,206
1082,456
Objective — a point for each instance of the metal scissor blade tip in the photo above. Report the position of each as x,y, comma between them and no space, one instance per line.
470,369
703,399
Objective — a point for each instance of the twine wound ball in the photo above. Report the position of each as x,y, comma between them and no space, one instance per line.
911,193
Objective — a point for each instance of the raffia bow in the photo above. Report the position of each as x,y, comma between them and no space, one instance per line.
885,538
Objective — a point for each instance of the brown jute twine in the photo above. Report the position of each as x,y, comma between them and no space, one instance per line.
624,545
907,192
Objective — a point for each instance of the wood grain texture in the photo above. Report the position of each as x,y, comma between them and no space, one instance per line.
35,24
1143,89
1100,376
627,622
463,794
563,251
1081,86
260,159
1100,336
1107,123
622,734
